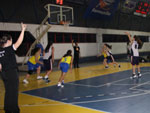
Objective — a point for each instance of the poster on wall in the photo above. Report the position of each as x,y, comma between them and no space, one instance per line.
101,9
128,6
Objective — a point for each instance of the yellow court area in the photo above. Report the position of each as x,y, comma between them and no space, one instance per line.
35,104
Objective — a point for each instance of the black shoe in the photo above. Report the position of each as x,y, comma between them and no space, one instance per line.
6,111
119,66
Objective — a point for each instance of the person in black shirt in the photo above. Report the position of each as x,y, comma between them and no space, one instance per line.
76,54
8,68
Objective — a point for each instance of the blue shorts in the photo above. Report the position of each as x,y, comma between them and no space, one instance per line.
32,66
64,67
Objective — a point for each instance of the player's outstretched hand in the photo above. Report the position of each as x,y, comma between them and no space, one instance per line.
24,26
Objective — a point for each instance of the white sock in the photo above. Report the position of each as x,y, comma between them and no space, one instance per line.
59,84
46,76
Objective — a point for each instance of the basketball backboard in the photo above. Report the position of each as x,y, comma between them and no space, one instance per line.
59,13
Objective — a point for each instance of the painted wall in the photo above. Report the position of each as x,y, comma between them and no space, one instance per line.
87,49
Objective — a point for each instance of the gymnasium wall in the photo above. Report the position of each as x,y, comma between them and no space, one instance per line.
32,11
87,49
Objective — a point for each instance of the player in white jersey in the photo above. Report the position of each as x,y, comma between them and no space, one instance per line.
48,60
135,45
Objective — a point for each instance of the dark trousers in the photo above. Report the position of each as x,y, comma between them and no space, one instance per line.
11,83
76,61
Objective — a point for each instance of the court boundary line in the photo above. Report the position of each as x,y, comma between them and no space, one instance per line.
62,103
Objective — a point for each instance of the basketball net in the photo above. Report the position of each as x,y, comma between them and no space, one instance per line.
65,24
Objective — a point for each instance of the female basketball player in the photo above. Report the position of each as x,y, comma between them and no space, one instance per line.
110,58
8,68
48,60
64,63
135,44
103,52
34,63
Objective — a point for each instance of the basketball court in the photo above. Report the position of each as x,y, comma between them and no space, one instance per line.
91,88
87,89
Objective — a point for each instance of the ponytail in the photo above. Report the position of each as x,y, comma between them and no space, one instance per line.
140,43
109,46
68,53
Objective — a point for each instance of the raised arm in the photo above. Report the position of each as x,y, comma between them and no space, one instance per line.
72,43
20,39
129,36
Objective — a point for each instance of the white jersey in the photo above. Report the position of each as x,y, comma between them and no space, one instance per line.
134,49
109,53
48,54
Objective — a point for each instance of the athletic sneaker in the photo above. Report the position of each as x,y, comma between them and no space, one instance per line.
62,86
46,80
139,75
63,82
59,84
39,77
133,76
25,81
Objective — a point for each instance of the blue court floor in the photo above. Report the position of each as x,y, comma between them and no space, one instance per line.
114,93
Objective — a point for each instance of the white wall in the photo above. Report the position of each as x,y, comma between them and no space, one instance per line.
120,48
87,49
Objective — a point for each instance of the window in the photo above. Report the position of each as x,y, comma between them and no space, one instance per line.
114,38
121,38
68,37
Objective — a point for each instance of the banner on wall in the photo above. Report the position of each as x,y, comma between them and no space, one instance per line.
101,9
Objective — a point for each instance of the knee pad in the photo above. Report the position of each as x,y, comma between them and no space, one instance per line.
30,72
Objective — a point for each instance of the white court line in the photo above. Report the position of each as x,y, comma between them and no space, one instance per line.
124,84
88,96
100,95
106,84
102,84
110,99
76,97
123,93
65,99
61,103
81,85
134,87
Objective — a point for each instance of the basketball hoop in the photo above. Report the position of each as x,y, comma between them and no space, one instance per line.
65,23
